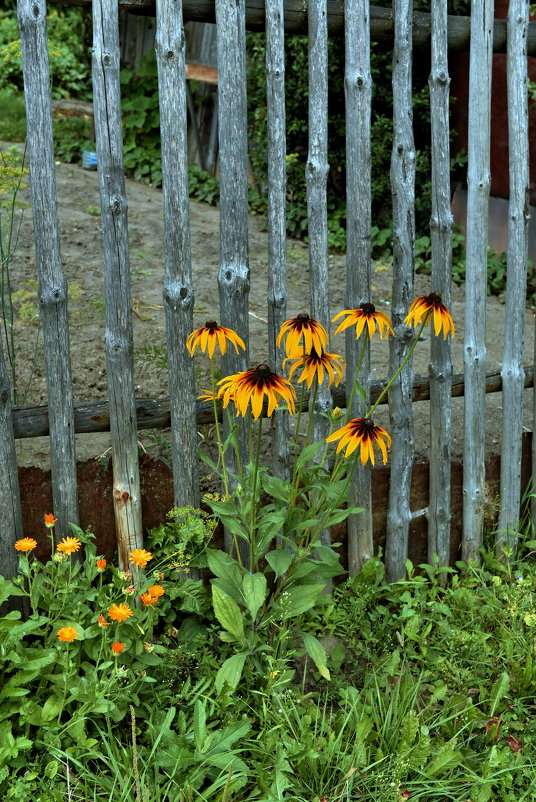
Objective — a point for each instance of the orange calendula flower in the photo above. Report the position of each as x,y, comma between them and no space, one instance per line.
156,590
50,520
117,647
119,612
366,315
25,544
140,557
69,545
303,328
315,365
424,307
67,634
101,564
252,386
211,335
365,433
102,622
148,599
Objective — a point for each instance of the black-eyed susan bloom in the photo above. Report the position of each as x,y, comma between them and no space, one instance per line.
426,307
317,365
366,315
253,386
363,433
211,335
306,329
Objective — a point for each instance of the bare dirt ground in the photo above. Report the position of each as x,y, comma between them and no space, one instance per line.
78,206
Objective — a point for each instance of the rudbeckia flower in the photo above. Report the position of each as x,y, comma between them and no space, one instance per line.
67,634
252,386
119,612
211,335
315,365
366,315
69,545
365,433
140,557
303,328
25,544
424,307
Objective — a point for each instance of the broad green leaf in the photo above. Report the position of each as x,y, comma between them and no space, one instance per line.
299,598
446,759
308,454
230,672
8,589
275,487
200,725
227,612
279,560
317,653
51,709
254,586
500,689
225,567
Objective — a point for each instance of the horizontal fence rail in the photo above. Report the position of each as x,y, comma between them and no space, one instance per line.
381,21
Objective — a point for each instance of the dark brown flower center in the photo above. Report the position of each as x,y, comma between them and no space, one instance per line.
211,324
368,424
435,298
368,309
303,317
263,372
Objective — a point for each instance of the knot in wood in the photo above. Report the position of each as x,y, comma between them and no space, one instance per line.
4,396
106,59
442,77
115,205
35,10
170,54
360,82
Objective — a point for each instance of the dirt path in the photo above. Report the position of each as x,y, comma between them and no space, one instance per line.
78,204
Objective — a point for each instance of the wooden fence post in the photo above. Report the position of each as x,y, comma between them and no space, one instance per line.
52,285
118,335
403,190
518,221
441,235
178,285
358,95
478,184
10,517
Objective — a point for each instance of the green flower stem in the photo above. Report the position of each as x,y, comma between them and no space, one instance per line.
298,420
221,451
252,557
400,369
356,377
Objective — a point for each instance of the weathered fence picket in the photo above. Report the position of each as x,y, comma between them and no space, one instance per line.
11,517
52,285
441,224
178,283
518,222
116,261
403,193
478,185
358,97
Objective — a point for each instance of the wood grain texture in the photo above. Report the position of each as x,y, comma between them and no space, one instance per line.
118,330
178,284
11,517
52,284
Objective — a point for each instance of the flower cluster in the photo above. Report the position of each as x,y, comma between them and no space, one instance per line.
306,342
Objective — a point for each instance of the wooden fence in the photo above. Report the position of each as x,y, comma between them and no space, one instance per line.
355,21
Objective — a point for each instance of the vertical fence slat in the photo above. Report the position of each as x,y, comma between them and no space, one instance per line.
358,95
178,286
478,185
233,276
11,517
441,235
403,191
316,173
518,219
118,334
277,240
52,285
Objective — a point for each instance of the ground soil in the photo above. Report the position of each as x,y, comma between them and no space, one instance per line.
78,207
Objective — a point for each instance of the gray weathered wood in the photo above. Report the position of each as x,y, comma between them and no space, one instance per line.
52,285
178,286
441,234
478,184
381,21
358,95
518,221
118,333
233,276
11,516
316,173
403,190
277,231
